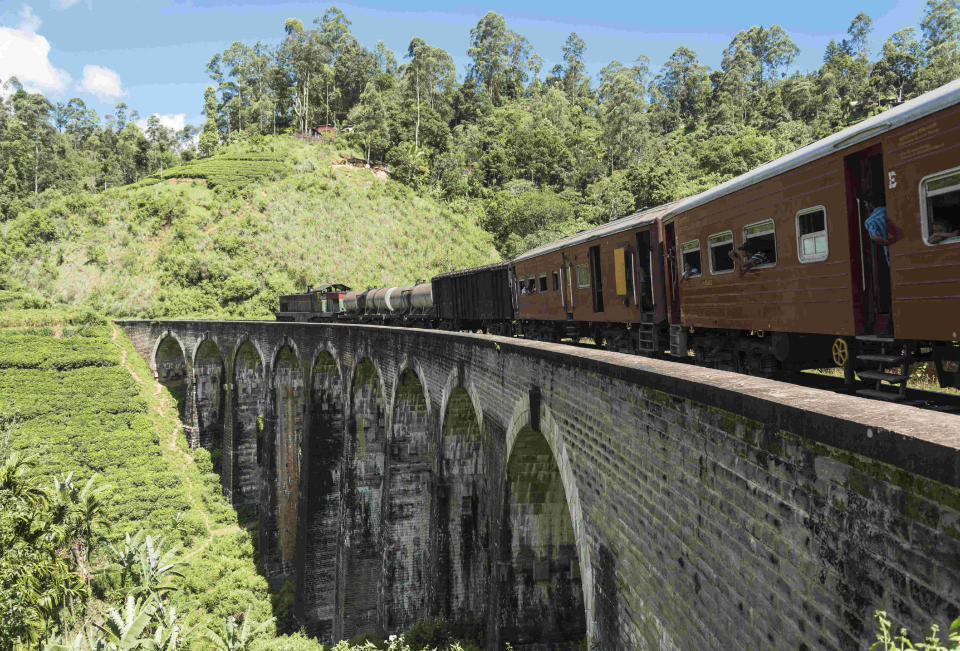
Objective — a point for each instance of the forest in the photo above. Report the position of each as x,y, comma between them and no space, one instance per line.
537,153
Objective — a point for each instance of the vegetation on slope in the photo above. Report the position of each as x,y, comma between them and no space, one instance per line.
223,237
74,397
93,460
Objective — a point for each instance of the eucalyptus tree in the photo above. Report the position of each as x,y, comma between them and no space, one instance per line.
500,60
941,43
386,61
683,86
896,71
622,111
859,31
429,77
575,80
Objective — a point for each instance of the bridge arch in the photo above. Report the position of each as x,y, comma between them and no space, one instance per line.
547,557
408,483
249,414
209,372
282,460
170,361
455,381
319,531
165,340
363,499
463,519
415,367
172,369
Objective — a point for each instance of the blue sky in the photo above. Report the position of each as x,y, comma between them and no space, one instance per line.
152,55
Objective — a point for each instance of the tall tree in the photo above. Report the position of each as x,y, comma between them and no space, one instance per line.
896,71
941,43
621,112
500,58
210,136
430,76
859,31
684,86
573,67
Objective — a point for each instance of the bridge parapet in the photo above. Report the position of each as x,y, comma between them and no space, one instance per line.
642,503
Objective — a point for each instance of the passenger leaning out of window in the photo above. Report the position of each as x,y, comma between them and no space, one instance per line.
748,258
942,231
880,229
689,271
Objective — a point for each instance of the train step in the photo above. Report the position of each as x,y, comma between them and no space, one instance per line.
882,395
678,341
882,376
882,359
880,339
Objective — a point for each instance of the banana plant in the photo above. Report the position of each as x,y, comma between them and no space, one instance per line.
123,631
170,633
238,638
156,566
128,558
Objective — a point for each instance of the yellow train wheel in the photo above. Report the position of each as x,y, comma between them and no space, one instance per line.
841,351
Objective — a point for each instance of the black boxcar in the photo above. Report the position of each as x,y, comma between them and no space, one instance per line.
475,299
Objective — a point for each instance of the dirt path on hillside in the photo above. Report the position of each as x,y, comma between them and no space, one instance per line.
180,458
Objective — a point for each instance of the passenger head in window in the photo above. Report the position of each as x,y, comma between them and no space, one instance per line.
942,230
881,230
748,256
689,270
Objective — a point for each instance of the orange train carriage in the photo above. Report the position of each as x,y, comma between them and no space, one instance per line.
822,291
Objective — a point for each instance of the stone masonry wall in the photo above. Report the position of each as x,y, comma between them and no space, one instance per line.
706,509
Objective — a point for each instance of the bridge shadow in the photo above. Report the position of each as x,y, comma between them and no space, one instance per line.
198,389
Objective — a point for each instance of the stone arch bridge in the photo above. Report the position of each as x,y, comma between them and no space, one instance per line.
544,494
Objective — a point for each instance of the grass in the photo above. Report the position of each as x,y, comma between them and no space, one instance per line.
76,395
922,377
259,226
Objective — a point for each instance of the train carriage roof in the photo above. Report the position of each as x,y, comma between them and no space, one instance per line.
472,270
914,109
629,222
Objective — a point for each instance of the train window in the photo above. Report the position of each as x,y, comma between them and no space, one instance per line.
721,244
940,207
531,285
812,234
761,238
690,256
583,275
543,282
556,280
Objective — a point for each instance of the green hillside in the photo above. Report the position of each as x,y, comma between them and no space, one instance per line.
224,236
76,397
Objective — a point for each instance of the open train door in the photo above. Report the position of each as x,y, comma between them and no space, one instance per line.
870,266
670,271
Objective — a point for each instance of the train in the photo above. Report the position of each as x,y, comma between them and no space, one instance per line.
844,252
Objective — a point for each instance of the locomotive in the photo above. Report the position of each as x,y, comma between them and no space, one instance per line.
781,269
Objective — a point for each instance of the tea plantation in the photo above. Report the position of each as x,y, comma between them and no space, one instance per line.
228,171
75,396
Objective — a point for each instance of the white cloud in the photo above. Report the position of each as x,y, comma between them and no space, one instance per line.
29,21
103,83
24,54
172,121
65,4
